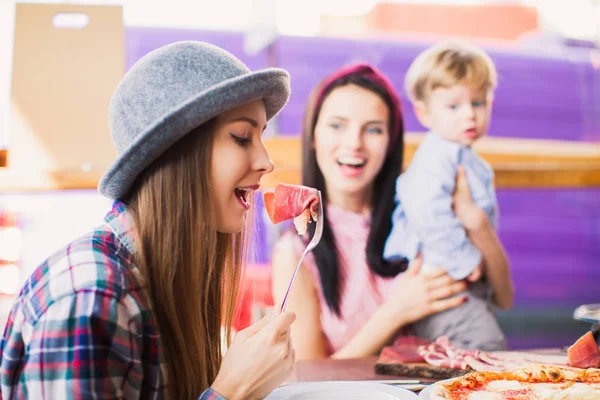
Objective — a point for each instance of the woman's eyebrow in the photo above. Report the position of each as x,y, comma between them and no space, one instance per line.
339,117
249,120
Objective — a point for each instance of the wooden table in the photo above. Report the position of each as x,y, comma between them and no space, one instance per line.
358,369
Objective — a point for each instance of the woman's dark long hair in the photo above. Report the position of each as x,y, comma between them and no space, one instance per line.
382,201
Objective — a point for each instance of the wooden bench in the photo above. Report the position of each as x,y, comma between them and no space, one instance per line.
518,163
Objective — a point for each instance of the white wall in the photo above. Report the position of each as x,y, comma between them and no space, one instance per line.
7,21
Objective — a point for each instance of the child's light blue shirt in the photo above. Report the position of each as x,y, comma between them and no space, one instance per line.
424,220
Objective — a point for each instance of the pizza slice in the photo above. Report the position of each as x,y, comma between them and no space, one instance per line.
532,382
292,202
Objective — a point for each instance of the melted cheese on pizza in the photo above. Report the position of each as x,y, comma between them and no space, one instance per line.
514,390
532,382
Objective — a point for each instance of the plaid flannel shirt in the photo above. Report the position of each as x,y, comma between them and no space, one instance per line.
81,327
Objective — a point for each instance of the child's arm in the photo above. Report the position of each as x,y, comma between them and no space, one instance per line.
483,235
426,195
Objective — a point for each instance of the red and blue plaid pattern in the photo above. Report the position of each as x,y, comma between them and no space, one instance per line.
81,326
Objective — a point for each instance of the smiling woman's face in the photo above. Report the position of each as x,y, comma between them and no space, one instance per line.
351,141
239,160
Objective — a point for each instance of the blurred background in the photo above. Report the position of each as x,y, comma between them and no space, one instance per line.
60,61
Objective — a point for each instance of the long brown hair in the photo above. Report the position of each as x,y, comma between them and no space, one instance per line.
190,271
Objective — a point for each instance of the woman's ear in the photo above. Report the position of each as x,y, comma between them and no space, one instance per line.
422,113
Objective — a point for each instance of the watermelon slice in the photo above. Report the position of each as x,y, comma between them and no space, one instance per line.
292,201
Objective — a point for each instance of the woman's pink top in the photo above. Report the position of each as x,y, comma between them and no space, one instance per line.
362,291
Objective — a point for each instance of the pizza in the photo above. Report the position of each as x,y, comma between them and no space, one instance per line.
292,202
531,382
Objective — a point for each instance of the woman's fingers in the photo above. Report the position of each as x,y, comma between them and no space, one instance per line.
438,279
415,265
445,304
281,324
262,323
290,351
435,273
444,291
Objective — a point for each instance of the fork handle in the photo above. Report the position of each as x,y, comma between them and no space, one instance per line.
287,292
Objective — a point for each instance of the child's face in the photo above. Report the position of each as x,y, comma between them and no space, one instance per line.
459,113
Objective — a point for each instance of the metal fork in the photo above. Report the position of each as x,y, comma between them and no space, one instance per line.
311,245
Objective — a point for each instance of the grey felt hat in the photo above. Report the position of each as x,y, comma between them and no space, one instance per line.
173,90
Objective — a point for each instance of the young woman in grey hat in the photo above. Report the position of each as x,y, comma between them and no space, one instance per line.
135,308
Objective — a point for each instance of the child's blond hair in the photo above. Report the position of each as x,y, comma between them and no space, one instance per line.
447,64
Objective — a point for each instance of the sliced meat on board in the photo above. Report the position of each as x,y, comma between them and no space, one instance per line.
441,356
404,350
403,359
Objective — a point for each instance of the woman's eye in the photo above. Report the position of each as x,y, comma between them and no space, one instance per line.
478,103
375,130
453,106
241,140
335,125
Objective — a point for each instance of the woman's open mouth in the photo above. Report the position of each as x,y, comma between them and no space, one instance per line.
242,195
351,166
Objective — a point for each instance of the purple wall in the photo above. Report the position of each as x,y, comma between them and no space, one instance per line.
139,41
552,236
537,97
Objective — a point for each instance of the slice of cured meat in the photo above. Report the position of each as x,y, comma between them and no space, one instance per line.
292,201
404,350
584,353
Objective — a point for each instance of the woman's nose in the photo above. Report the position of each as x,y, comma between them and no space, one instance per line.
263,161
352,138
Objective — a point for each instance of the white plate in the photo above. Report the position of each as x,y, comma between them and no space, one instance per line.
354,390
424,394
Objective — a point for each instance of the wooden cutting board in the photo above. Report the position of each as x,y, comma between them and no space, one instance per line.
417,370
424,370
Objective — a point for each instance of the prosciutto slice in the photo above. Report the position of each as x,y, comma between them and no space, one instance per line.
292,201
443,353
404,350
584,353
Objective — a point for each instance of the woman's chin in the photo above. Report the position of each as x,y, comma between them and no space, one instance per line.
353,189
232,226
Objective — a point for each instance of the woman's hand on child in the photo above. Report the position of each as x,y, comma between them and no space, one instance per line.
471,216
418,295
259,359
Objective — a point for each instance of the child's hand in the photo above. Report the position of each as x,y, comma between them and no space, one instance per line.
471,216
475,275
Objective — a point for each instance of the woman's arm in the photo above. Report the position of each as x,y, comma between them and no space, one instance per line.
483,235
77,343
415,296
